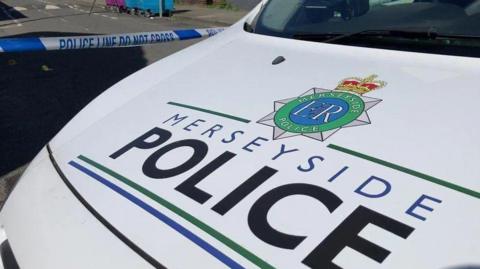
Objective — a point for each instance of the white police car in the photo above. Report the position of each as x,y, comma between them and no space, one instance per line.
311,134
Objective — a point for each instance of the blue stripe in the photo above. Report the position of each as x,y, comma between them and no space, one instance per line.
177,227
187,34
21,44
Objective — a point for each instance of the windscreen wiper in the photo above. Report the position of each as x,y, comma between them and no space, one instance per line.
333,37
248,27
387,33
403,33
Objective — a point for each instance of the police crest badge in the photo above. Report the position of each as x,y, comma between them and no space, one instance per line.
319,113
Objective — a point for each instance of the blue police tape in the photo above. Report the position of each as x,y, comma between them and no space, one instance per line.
101,41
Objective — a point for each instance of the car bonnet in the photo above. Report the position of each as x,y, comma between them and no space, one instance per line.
336,156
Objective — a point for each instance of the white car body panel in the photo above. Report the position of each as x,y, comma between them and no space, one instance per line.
426,123
52,229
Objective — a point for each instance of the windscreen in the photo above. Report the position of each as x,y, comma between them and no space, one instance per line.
442,22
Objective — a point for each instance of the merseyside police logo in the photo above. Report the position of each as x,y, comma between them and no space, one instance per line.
320,113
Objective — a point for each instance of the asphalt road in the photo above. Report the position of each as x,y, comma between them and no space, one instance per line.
41,91
245,4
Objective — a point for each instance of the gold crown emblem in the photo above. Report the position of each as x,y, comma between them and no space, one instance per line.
361,85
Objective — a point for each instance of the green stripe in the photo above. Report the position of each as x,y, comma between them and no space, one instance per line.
408,171
201,225
210,112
